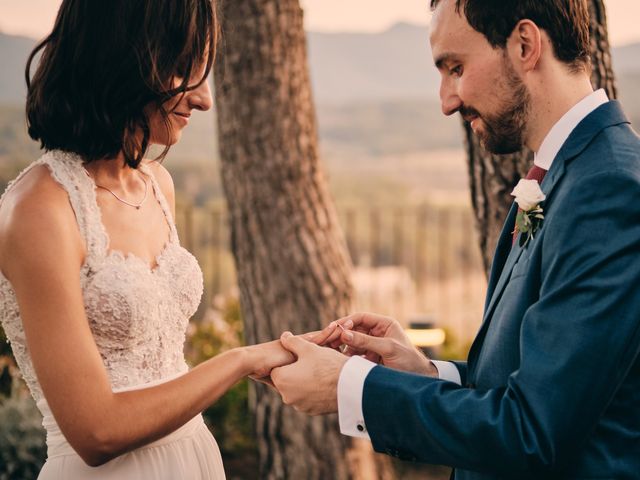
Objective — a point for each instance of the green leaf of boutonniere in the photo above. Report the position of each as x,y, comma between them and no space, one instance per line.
528,223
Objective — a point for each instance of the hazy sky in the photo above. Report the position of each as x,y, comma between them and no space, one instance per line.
35,17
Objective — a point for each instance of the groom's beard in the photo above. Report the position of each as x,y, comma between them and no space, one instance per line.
504,131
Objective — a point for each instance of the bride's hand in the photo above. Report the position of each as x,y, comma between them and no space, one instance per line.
264,357
330,336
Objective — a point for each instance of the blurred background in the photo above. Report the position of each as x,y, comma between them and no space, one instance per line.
396,169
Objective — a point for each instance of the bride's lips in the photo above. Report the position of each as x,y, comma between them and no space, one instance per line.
184,117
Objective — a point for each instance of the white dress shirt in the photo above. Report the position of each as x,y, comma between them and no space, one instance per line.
559,133
356,369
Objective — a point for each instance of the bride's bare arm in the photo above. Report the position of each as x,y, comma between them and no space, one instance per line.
41,253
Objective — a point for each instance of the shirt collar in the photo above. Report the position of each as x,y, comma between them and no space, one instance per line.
556,137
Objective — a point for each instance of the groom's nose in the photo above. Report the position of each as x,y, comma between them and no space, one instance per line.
449,99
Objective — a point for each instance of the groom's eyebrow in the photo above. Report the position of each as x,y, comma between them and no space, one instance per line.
442,59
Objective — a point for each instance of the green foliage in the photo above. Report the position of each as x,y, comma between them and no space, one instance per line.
453,348
7,364
229,418
22,438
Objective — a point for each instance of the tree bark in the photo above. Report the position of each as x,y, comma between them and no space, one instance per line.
292,263
493,177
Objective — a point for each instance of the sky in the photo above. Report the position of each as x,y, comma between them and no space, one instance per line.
34,18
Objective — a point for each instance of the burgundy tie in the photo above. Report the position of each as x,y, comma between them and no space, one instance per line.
536,173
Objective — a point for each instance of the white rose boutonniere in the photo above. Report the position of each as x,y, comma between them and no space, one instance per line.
528,195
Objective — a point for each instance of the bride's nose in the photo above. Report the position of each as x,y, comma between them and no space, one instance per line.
200,98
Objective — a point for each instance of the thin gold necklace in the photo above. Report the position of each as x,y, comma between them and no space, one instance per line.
120,199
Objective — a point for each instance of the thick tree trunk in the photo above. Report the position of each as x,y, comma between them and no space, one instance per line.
292,263
493,177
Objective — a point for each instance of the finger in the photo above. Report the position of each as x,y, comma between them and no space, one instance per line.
345,350
326,334
265,380
361,342
372,357
275,376
335,334
347,322
312,336
352,352
333,338
369,321
296,345
335,329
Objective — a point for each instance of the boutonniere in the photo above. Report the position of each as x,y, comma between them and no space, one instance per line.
529,196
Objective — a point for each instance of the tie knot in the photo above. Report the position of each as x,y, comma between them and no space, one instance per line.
536,173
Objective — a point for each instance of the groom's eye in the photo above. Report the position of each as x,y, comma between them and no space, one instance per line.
456,71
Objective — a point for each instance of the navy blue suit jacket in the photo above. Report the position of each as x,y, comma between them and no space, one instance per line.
551,388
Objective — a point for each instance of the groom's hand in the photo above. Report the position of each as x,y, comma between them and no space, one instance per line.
310,384
383,340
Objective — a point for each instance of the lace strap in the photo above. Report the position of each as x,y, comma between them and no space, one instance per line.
68,170
162,200
10,185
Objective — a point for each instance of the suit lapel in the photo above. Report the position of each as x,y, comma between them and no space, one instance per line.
548,185
604,116
503,249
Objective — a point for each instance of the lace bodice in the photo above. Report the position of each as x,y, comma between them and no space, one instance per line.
138,315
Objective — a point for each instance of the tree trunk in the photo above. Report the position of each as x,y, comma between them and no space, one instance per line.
493,177
293,268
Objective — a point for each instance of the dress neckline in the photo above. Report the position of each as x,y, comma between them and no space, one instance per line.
129,256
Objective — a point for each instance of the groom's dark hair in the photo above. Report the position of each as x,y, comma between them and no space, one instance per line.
565,21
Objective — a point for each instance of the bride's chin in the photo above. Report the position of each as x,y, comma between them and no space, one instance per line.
167,142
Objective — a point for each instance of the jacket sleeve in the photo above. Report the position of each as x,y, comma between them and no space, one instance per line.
578,342
462,369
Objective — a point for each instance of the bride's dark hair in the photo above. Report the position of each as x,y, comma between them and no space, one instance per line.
105,61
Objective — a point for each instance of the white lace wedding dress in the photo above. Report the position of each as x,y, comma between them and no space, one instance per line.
138,316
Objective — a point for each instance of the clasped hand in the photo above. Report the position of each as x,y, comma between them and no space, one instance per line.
310,383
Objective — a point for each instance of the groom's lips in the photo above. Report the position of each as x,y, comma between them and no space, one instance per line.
471,119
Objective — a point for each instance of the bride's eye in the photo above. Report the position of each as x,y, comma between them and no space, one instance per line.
181,69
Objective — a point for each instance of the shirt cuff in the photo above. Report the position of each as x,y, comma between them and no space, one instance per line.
350,390
447,371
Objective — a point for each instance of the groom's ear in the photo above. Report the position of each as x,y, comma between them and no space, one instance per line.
525,46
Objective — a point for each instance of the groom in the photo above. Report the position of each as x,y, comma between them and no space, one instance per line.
551,388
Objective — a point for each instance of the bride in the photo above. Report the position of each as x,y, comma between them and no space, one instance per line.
95,289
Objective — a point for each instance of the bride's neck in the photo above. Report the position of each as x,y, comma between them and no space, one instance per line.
114,172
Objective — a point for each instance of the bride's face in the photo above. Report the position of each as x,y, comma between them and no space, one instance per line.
179,109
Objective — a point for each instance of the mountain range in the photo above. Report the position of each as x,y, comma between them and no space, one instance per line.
376,98
345,67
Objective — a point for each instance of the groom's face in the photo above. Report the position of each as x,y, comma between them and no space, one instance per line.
478,81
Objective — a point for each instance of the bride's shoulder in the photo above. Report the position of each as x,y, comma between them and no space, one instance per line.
35,209
34,190
164,179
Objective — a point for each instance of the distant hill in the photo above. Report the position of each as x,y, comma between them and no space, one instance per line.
376,94
626,59
345,67
395,64
13,52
